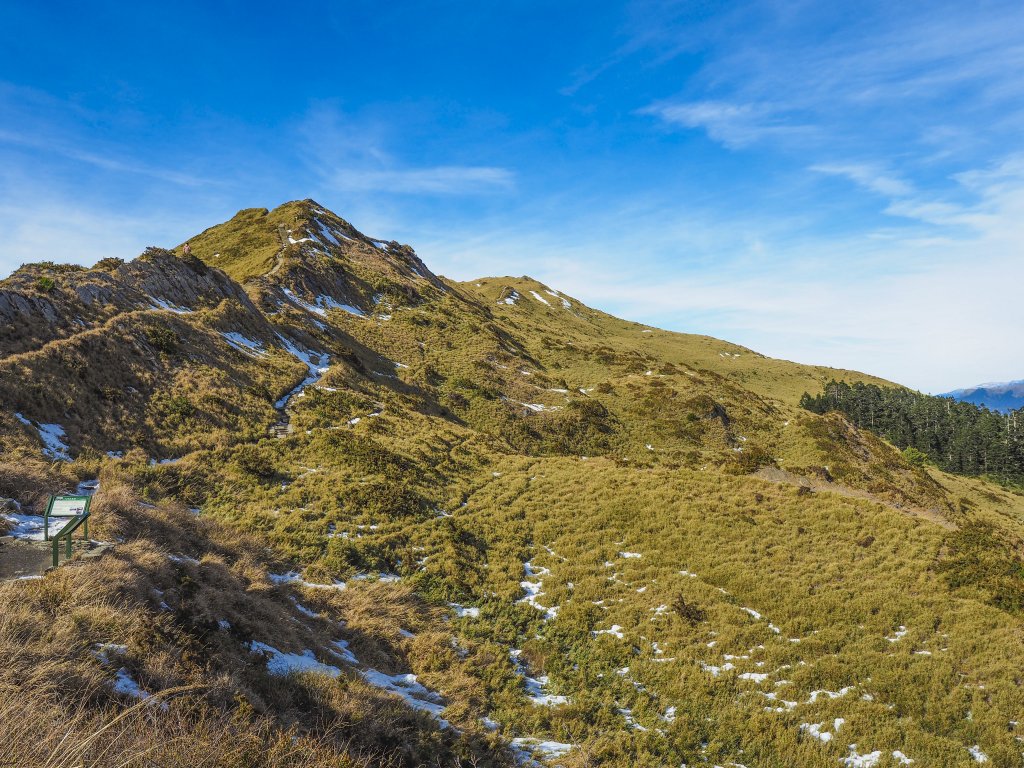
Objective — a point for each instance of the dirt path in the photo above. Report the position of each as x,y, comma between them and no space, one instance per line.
816,484
22,559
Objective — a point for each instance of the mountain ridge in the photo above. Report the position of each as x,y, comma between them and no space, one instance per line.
388,518
998,396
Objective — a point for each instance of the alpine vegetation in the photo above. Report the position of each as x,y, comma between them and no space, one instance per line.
344,511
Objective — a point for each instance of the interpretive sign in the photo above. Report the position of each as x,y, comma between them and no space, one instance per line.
65,506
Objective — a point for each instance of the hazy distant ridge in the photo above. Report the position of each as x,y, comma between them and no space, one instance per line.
999,396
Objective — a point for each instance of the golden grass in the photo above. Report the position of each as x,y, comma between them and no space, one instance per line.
510,433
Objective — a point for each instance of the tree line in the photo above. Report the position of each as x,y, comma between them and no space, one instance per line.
957,437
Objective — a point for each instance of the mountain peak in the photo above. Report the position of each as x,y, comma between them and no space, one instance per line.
253,242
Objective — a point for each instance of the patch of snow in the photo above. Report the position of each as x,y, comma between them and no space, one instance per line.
630,555
627,715
281,663
757,616
305,611
387,578
815,729
331,303
414,693
565,302
899,757
787,706
535,685
293,577
540,298
126,685
315,363
511,299
463,612
329,234
244,344
155,462
123,682
757,677
538,407
53,438
855,760
30,527
304,304
164,304
341,650
87,487
533,590
716,671
977,754
898,634
545,749
815,695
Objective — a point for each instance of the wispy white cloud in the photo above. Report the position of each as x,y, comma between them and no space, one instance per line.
354,155
45,126
869,176
73,231
106,160
734,125
900,77
43,222
441,179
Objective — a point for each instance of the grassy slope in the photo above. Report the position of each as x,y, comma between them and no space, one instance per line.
621,448
776,379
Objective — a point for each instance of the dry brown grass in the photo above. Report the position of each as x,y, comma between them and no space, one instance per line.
156,617
172,729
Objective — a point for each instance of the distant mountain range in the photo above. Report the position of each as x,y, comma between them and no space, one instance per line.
998,396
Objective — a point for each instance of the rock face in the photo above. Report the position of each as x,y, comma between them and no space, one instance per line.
187,283
39,303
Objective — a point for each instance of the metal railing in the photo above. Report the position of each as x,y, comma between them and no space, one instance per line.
76,509
65,533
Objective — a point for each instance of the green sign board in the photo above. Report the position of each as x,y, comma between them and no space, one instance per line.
66,506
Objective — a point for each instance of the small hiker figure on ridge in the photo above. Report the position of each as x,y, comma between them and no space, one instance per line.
186,250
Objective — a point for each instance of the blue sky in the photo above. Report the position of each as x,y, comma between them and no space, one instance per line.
831,183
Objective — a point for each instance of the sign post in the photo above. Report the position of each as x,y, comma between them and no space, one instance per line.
67,506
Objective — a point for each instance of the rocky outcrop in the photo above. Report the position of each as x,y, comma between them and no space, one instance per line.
39,304
187,283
